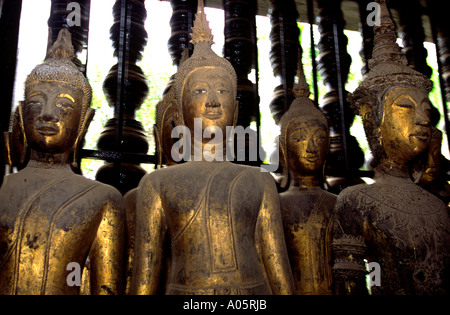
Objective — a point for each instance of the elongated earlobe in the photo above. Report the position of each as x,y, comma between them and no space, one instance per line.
285,177
83,130
236,113
24,151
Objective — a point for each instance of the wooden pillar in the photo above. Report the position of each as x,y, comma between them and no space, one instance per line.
284,53
181,22
125,88
345,156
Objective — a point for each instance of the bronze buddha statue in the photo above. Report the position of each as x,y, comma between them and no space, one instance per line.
221,221
392,222
306,208
50,218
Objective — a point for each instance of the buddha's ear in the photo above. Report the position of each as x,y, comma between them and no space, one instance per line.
365,111
285,179
236,112
177,116
81,134
158,143
24,152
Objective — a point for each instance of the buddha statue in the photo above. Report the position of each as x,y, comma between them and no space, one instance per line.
52,219
306,208
218,223
400,229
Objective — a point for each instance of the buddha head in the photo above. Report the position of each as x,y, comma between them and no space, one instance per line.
392,100
304,137
55,114
205,84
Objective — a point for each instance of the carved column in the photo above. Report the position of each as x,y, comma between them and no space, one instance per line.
181,22
367,35
412,34
125,88
344,156
76,19
284,53
238,50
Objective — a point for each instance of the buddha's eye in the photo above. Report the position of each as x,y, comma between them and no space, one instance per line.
405,103
199,91
65,106
34,103
320,139
298,138
222,91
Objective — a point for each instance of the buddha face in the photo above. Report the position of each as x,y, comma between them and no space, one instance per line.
405,129
51,115
208,93
307,146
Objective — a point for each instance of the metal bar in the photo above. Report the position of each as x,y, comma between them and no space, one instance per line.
340,91
254,37
283,56
122,77
132,158
310,5
88,4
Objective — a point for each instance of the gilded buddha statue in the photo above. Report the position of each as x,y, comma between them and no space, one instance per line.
306,208
52,219
393,222
221,221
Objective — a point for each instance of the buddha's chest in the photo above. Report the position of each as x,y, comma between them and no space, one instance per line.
47,223
409,222
216,201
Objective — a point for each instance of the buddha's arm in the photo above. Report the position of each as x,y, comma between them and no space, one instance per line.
107,252
149,248
272,242
348,248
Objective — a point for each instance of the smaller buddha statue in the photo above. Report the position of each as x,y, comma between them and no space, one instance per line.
52,219
218,223
306,208
393,223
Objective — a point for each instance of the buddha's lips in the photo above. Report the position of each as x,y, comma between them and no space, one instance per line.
48,130
422,136
212,115
312,158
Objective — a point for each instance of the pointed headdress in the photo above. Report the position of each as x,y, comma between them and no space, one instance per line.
388,65
203,55
58,67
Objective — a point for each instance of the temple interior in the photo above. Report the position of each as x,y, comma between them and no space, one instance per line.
343,105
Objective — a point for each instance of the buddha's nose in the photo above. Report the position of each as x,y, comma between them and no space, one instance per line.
422,117
212,100
48,113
